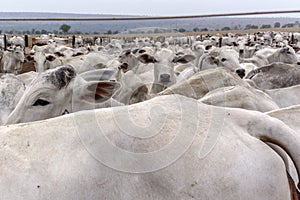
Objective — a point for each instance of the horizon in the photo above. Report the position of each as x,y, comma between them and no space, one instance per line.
241,16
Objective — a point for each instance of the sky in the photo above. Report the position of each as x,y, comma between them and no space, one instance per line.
151,7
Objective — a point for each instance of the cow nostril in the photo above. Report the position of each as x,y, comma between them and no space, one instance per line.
298,63
165,77
240,72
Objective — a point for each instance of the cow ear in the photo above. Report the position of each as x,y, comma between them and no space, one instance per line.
50,57
62,76
139,95
29,58
124,67
99,91
146,58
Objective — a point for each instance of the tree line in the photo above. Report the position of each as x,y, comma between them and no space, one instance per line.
65,29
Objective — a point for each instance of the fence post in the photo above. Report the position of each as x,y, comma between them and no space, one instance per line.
220,42
292,39
73,41
5,42
26,40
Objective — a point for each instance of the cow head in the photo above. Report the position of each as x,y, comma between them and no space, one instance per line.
52,92
164,61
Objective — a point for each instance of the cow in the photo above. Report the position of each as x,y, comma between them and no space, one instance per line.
267,56
17,41
163,61
275,75
204,81
285,97
170,147
239,96
11,90
219,57
12,60
59,90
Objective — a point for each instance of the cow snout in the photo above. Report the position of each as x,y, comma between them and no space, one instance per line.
240,72
165,78
298,63
241,51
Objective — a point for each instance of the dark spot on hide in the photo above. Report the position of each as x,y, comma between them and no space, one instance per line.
62,76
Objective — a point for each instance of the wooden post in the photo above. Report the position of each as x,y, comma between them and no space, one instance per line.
73,41
292,39
26,40
5,42
220,42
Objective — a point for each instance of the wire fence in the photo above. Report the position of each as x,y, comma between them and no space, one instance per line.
152,17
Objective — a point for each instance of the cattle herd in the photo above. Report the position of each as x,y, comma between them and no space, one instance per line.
174,117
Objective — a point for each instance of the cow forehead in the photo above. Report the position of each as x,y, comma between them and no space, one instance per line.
164,54
57,77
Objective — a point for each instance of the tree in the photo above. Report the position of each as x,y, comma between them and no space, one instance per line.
196,29
181,30
44,32
277,25
226,28
65,28
265,26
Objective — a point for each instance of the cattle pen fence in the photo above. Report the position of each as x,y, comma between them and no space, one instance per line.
29,38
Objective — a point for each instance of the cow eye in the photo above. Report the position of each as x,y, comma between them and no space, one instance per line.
41,102
223,59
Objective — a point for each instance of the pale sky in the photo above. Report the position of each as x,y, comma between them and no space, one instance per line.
150,7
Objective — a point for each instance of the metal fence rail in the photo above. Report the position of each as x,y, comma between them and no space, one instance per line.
150,18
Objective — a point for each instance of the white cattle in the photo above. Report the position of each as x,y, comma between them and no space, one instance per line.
275,75
44,61
204,81
163,61
11,90
240,97
27,77
58,90
12,60
1,42
133,88
267,56
285,97
219,57
81,63
170,147
90,61
17,41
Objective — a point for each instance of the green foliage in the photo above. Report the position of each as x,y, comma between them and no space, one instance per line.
289,25
226,28
265,26
196,29
277,25
250,26
65,28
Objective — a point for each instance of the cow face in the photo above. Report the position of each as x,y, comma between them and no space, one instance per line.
287,55
44,61
220,57
52,92
164,61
